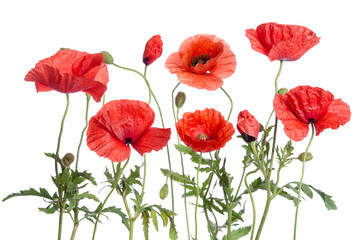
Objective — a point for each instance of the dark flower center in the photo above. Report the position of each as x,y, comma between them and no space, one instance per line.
311,120
128,140
203,58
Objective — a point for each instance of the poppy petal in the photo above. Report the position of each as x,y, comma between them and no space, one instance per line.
293,127
153,139
82,65
104,144
207,81
338,114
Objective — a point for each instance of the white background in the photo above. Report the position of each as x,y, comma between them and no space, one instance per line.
29,123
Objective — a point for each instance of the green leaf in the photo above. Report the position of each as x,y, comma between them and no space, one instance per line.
145,223
48,210
177,177
307,190
328,202
119,212
154,219
86,195
31,192
184,149
238,233
173,232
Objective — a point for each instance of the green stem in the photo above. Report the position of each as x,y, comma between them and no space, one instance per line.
163,124
197,193
252,201
300,184
144,173
117,177
231,103
143,76
131,219
83,131
60,191
175,116
269,171
241,181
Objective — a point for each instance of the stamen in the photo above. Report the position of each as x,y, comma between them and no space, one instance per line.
128,140
202,136
202,58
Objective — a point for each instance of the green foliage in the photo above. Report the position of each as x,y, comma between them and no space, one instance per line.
238,233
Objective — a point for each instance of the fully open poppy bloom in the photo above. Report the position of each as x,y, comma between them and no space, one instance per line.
121,123
282,42
202,62
248,126
204,131
306,105
153,50
70,71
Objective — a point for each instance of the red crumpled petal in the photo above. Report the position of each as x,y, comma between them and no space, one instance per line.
101,141
222,62
282,41
153,139
293,127
90,74
209,122
338,114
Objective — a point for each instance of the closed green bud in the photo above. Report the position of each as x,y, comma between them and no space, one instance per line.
180,99
283,91
308,157
67,159
164,191
108,59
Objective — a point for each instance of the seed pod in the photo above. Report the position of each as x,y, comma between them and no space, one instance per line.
67,159
180,99
164,191
108,59
308,157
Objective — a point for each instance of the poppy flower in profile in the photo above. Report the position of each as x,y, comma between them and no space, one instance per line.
281,41
203,61
306,105
121,123
153,50
248,126
204,131
70,71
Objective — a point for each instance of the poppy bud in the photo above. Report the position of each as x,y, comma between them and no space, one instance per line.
108,59
153,50
180,99
283,91
308,157
164,191
67,159
248,126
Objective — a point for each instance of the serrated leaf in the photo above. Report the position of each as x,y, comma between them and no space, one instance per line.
86,195
328,202
145,223
48,210
307,190
177,177
238,233
173,233
31,192
154,219
119,212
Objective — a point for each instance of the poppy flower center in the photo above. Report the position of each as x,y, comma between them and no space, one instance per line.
202,136
247,138
128,140
202,58
311,120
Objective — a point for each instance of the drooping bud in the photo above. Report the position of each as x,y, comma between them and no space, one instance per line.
153,50
180,99
108,59
164,191
308,157
67,159
248,126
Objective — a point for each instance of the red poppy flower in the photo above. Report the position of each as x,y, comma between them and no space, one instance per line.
204,131
248,126
202,62
153,50
70,71
282,42
306,105
121,123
